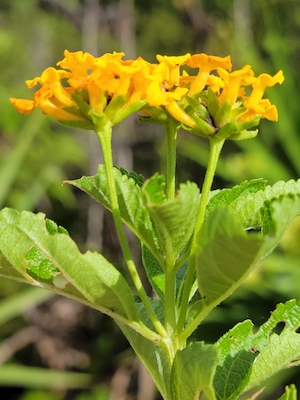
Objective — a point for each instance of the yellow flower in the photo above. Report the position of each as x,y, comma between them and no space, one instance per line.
206,64
233,82
23,106
78,63
113,88
255,105
50,104
173,63
51,98
85,85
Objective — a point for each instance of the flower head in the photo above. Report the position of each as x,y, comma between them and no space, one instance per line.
213,101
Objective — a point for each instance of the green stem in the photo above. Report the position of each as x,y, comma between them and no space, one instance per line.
215,149
171,129
104,135
170,312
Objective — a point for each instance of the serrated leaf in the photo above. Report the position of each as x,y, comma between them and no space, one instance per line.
278,354
276,351
133,211
193,371
154,190
248,208
139,179
225,256
174,219
53,228
226,197
276,217
271,351
24,240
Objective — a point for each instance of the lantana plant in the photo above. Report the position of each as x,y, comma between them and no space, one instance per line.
197,245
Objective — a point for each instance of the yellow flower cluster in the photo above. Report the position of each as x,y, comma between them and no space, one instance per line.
113,87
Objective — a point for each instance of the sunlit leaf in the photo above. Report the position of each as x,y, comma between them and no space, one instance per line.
27,246
133,211
271,351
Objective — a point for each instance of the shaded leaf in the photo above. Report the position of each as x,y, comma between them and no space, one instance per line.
174,219
153,356
225,256
154,271
193,371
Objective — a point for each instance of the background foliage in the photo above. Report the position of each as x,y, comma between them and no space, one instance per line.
52,348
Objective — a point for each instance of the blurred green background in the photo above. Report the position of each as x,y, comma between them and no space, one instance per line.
52,348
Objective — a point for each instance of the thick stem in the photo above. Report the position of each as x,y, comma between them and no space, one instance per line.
215,149
104,136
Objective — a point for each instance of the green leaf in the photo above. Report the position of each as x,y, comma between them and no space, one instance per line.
231,378
225,256
228,197
27,246
277,216
133,211
271,351
276,351
156,274
40,267
174,219
236,360
290,393
248,207
153,356
154,271
193,371
138,178
154,190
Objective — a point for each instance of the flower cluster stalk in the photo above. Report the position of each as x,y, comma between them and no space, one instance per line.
104,136
215,150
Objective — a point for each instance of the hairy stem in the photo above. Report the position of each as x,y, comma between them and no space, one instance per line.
215,149
104,135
